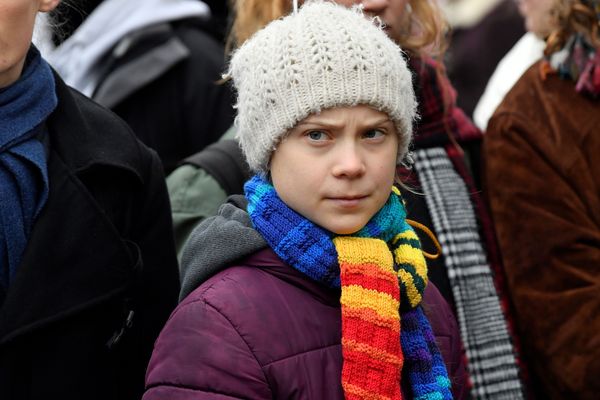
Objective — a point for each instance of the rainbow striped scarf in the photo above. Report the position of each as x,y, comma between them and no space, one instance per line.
382,274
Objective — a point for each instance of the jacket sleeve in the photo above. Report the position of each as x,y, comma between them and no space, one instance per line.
140,213
543,194
157,282
200,355
194,195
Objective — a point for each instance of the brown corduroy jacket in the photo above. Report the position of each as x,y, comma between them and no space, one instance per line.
542,154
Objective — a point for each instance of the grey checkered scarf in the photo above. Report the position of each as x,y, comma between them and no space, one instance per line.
491,357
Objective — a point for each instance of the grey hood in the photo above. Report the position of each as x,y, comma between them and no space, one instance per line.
216,243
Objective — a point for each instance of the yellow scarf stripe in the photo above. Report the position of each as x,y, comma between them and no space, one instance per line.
382,303
408,234
355,250
405,253
411,290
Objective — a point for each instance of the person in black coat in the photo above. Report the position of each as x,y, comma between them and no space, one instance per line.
155,63
88,273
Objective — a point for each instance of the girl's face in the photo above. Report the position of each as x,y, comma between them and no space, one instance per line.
337,168
17,18
538,18
392,13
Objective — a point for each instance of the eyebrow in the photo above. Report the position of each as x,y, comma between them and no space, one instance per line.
331,125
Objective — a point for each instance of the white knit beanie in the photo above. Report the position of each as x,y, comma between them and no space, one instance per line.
324,56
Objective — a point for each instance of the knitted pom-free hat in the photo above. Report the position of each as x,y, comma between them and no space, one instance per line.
322,57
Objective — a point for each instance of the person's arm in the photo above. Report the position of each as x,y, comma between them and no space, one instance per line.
200,355
195,195
157,282
544,195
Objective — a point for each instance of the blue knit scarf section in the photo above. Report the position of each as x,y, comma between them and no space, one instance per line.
24,105
310,249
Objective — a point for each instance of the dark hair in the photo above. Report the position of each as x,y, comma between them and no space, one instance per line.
68,16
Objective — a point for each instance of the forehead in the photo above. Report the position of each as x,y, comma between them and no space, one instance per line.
359,112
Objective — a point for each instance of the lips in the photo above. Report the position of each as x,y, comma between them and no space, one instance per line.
347,201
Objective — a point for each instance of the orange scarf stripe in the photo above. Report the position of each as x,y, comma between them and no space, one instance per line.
367,314
370,321
372,352
373,376
368,269
353,392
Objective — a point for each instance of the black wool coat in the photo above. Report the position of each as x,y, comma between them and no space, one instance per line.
99,277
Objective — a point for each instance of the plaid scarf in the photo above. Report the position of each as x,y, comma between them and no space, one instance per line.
484,330
465,231
441,122
382,275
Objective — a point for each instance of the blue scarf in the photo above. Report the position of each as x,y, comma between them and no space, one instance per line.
316,253
24,106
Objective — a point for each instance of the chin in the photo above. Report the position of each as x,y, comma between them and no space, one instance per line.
345,229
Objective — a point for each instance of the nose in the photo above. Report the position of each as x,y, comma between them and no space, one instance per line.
349,162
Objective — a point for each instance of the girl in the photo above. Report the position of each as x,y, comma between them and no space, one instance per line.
319,285
88,273
541,151
445,152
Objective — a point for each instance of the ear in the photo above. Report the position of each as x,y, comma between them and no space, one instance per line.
48,5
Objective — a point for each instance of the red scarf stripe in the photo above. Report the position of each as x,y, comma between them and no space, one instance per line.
370,320
372,278
375,377
361,331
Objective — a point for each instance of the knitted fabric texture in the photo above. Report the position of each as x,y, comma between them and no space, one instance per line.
382,275
24,105
466,234
324,56
491,354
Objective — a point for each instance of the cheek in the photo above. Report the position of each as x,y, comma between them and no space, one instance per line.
291,173
398,8
524,7
16,29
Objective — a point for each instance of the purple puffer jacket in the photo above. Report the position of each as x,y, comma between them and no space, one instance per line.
262,330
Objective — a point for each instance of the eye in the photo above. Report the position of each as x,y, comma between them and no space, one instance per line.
374,134
316,135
